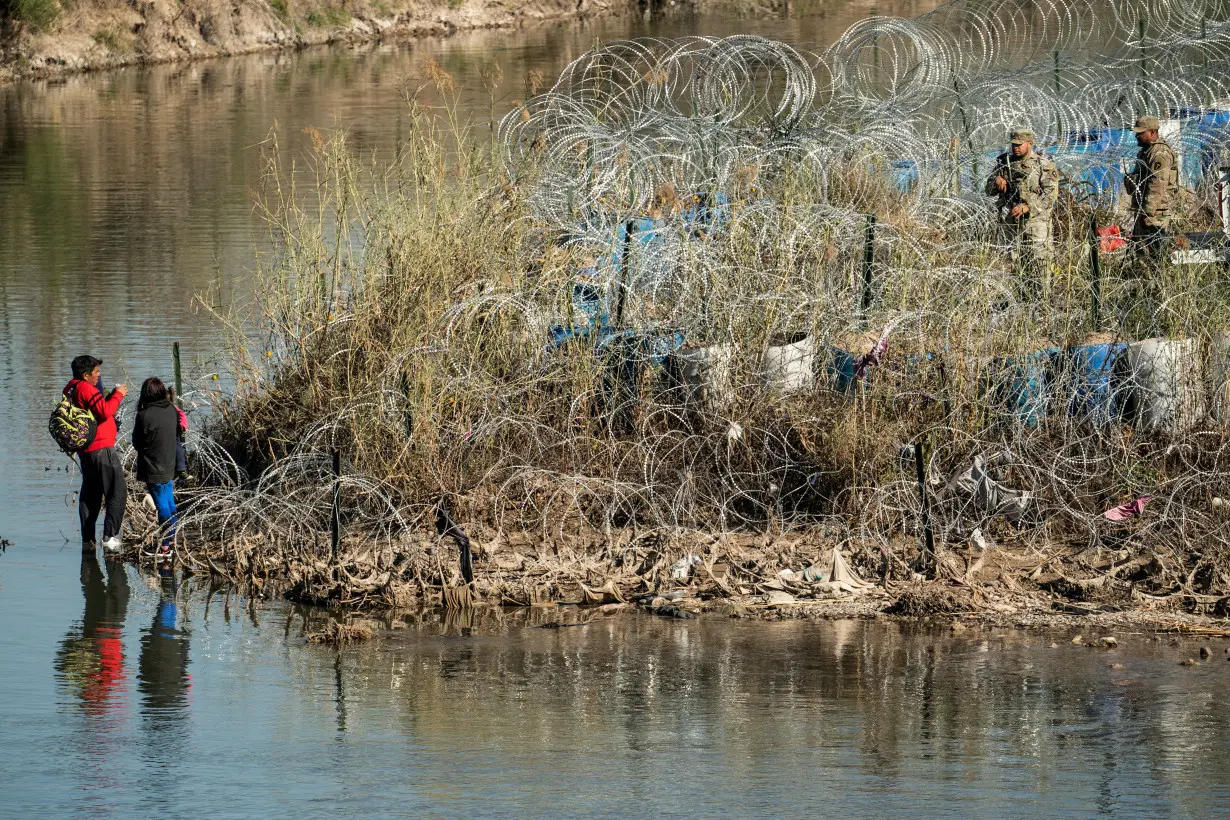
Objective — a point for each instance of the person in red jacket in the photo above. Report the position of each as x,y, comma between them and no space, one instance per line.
102,474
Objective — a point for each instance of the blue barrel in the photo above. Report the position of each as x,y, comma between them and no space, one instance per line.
706,212
839,369
589,311
905,175
1093,388
1021,385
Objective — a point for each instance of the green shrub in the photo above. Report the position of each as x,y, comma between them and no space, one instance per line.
328,17
37,14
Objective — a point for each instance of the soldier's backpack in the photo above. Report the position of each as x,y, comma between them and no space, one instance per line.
72,427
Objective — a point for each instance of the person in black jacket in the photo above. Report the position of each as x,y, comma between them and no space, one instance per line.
154,437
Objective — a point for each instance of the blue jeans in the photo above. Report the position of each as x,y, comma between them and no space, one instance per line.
164,502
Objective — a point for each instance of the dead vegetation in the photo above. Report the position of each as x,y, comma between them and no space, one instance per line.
407,325
340,634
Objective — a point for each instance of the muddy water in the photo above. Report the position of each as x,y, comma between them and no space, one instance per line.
125,215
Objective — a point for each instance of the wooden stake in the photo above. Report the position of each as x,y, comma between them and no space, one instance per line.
336,523
1095,274
920,465
179,387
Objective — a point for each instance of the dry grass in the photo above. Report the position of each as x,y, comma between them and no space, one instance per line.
339,634
404,322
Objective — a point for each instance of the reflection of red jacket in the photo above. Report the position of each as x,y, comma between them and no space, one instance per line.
103,684
88,397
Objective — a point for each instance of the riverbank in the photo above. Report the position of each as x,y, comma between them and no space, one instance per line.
112,35
799,574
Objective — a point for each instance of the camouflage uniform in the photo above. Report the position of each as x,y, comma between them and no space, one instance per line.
1033,180
1152,185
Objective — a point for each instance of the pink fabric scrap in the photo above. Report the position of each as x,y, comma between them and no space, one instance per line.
873,356
1129,510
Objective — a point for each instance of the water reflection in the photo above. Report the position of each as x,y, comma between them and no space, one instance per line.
913,716
578,713
90,662
162,671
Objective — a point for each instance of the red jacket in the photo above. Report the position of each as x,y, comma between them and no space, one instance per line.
88,397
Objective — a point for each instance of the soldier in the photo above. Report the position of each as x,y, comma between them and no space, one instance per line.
1152,185
1027,185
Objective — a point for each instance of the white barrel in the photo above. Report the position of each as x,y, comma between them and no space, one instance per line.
1164,384
701,376
1219,377
789,364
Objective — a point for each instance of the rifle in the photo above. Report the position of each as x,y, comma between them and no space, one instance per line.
1011,195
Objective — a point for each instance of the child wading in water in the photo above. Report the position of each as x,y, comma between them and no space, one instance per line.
155,437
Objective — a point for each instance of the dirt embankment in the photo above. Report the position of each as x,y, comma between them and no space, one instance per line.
805,574
48,37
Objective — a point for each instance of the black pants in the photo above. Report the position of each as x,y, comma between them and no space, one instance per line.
102,476
1150,245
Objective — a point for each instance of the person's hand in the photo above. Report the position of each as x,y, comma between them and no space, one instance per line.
1001,184
122,389
1019,211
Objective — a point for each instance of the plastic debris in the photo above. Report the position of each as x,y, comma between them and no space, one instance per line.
988,494
978,540
814,574
1111,239
681,570
840,577
876,354
1129,510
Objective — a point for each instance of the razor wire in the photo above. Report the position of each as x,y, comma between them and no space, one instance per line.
741,171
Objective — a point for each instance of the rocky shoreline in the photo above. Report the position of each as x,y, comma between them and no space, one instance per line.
144,32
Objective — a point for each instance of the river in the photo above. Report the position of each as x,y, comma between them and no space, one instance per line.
126,210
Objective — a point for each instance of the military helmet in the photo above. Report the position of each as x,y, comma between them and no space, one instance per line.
1146,122
1022,135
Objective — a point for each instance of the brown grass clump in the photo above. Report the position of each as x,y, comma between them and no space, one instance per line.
339,634
922,601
